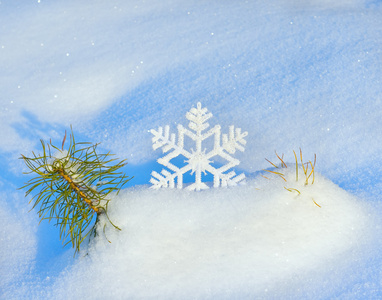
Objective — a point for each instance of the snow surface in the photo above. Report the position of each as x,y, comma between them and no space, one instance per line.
227,243
18,239
292,73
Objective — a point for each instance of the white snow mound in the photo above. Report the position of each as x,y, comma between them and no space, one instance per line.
254,240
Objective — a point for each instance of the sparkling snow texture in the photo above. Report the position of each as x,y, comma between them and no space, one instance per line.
245,242
198,161
18,241
293,73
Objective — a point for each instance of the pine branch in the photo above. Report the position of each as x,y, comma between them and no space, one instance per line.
72,186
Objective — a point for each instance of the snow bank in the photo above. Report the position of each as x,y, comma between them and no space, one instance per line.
292,76
18,242
115,70
252,241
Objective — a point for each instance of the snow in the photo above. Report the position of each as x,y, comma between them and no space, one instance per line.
18,239
292,73
223,243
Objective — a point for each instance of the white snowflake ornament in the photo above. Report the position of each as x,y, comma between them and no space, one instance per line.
198,160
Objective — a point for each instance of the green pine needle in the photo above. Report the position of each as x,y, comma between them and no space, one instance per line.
72,187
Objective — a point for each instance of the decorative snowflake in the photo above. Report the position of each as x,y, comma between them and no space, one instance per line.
198,160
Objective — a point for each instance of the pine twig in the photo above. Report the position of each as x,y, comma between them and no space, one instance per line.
73,186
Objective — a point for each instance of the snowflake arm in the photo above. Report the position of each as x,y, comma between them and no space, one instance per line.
197,117
165,179
235,140
163,140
